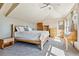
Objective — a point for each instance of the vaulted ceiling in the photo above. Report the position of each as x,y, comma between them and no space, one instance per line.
33,12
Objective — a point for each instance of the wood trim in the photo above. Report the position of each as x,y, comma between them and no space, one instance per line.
14,5
12,32
29,41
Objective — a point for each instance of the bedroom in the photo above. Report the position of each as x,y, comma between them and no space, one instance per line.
41,17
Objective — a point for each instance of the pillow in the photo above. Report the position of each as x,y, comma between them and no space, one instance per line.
17,28
27,28
20,28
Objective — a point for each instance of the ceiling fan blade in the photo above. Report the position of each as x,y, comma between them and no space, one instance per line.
44,6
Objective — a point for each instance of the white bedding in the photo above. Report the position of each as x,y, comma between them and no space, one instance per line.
31,35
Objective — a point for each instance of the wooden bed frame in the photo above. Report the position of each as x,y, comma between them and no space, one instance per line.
39,42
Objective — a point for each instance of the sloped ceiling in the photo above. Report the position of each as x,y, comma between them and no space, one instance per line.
5,8
32,12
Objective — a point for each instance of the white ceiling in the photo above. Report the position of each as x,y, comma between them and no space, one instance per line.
32,12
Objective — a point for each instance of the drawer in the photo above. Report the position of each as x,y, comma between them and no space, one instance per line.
8,40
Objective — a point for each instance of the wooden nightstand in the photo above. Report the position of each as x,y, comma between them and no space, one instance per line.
52,32
6,42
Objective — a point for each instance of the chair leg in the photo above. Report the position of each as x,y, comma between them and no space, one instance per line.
41,46
66,43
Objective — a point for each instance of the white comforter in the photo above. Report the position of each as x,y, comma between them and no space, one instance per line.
32,35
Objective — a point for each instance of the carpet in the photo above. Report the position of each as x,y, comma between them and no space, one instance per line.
57,48
50,48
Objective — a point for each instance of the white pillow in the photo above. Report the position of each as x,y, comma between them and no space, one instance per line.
21,29
17,28
26,28
29,28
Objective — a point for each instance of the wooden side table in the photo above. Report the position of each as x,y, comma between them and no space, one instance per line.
6,42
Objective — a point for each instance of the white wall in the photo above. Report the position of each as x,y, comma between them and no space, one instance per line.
32,13
52,23
5,25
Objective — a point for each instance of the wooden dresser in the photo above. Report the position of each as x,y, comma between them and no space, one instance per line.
39,26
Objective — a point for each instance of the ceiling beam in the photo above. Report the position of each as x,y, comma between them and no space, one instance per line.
14,5
1,4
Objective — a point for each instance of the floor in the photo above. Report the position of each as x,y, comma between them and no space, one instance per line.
58,49
51,48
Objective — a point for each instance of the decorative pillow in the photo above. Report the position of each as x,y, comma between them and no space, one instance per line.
27,28
17,28
23,28
20,28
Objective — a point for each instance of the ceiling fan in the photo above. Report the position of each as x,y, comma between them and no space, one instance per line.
50,5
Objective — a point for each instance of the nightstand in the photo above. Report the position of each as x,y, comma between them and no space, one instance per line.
6,42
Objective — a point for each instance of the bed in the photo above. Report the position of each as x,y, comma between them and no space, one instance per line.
34,37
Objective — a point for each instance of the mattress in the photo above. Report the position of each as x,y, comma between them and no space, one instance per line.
32,35
27,35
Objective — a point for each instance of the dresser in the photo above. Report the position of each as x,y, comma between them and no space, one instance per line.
39,26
